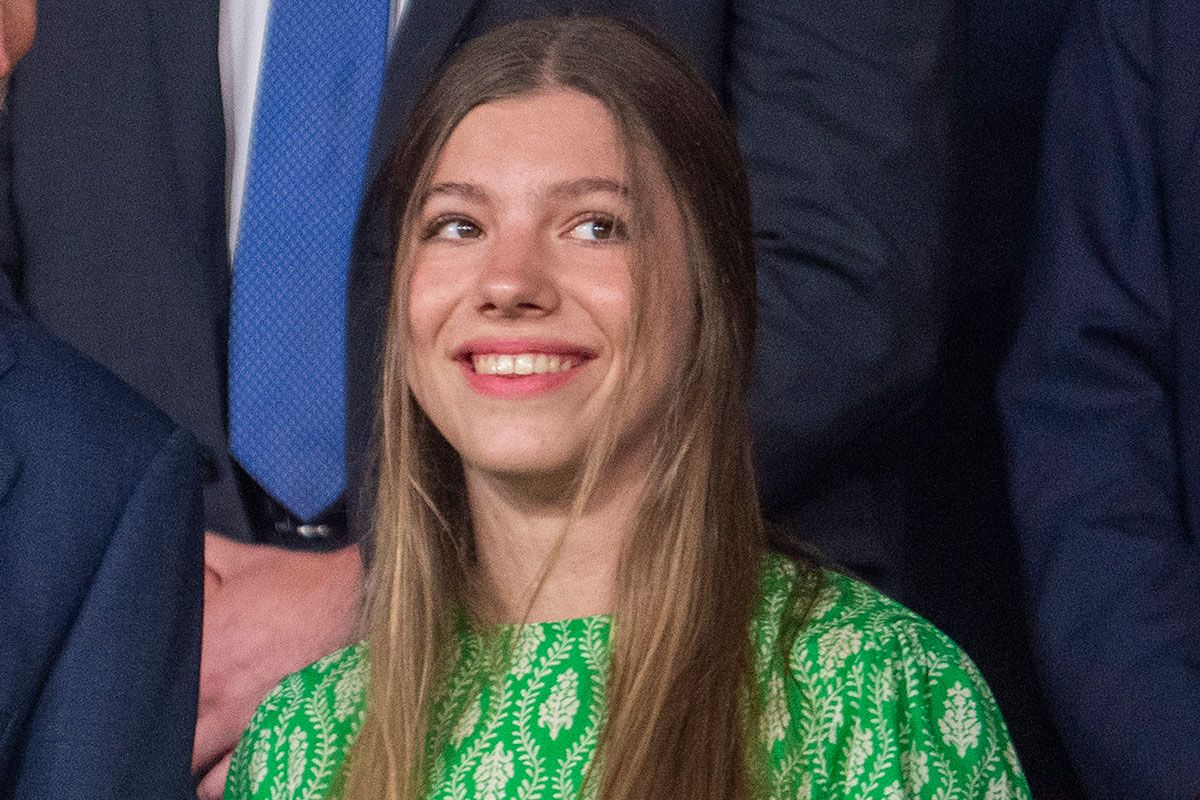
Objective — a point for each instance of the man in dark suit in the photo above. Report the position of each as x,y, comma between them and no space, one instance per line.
124,190
1101,400
100,580
100,566
100,556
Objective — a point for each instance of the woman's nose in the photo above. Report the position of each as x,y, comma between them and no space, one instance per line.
518,279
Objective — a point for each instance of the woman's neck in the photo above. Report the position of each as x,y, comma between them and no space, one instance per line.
525,547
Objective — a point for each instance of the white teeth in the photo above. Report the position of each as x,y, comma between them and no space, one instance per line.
521,364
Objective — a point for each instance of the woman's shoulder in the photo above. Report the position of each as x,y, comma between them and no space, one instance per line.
299,737
853,632
835,622
846,614
861,691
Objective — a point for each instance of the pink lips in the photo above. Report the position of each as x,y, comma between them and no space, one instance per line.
519,386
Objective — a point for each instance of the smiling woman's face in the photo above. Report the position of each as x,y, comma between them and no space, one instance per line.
520,291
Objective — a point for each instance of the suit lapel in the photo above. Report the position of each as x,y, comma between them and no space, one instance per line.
428,32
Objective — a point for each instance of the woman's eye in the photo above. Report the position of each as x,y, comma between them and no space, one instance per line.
452,229
599,229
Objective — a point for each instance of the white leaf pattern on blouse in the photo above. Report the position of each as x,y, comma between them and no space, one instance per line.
297,758
862,744
835,646
532,637
960,726
560,708
467,722
258,764
916,770
494,772
347,694
775,717
1000,788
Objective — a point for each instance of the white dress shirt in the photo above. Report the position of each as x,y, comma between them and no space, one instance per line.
242,36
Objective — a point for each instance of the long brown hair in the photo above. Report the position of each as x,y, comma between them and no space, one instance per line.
680,700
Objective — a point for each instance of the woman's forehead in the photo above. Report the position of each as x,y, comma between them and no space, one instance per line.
549,136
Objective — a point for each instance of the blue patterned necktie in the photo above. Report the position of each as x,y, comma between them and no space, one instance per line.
318,93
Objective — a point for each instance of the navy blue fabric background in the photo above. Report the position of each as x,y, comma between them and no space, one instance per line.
971,585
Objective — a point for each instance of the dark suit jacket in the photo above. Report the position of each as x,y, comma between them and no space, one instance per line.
1101,399
100,581
114,226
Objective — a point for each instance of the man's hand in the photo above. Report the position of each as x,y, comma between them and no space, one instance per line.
267,612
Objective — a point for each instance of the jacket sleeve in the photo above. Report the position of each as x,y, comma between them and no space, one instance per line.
1086,396
116,716
843,113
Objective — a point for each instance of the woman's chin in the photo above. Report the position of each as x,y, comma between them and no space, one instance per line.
532,475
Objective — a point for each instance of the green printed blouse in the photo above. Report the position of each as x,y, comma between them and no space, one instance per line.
868,702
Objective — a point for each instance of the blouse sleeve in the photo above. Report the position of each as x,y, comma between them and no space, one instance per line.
886,707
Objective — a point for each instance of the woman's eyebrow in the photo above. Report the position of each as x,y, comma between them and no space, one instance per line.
591,185
576,187
467,191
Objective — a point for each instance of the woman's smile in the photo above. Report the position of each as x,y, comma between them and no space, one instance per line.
517,368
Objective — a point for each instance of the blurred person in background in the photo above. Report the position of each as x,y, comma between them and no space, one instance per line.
1100,400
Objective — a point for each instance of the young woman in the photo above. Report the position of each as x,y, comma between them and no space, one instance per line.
572,593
